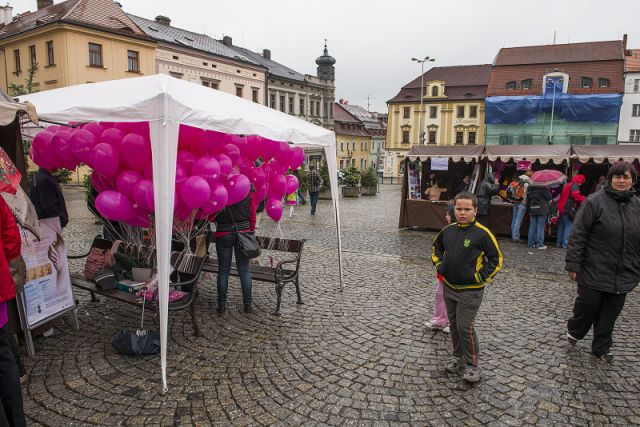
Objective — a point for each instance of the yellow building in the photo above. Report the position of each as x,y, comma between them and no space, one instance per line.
72,42
353,142
452,110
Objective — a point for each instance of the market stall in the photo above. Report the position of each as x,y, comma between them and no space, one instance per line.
427,165
594,161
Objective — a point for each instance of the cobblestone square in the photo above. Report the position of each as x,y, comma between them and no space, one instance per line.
357,357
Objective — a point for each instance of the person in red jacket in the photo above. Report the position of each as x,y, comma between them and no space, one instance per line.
568,204
11,410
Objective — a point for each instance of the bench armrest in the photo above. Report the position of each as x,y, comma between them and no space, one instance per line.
79,256
279,268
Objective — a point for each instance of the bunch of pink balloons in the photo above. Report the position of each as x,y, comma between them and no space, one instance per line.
213,169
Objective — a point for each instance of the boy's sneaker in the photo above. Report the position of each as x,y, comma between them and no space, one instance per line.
446,329
572,340
453,366
606,357
543,247
434,326
471,374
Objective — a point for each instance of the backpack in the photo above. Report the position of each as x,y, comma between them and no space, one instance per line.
515,192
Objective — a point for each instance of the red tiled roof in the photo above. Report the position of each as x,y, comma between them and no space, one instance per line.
561,53
632,63
346,124
342,115
100,14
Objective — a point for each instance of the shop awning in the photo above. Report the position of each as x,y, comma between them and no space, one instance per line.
454,152
543,153
600,153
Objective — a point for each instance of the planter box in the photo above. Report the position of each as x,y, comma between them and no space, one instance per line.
325,195
350,191
368,190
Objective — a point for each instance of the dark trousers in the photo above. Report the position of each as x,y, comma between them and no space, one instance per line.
314,201
597,308
225,247
462,307
11,411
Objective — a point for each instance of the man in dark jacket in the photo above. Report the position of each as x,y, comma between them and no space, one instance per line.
538,199
603,258
47,198
488,188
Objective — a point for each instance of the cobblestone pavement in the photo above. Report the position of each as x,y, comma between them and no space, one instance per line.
358,357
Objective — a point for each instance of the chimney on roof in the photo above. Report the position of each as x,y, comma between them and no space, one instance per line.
6,14
227,41
266,53
44,3
627,52
163,20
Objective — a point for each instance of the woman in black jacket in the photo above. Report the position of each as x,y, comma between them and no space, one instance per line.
603,258
538,199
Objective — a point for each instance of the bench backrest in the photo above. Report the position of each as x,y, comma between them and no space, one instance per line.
282,245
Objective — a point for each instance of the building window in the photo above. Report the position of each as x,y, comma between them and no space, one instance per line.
318,108
282,102
16,61
406,112
312,105
604,82
176,75
511,85
471,138
291,108
461,111
254,94
432,137
239,91
578,140
526,84
635,110
32,56
586,82
272,100
526,139
636,85
326,109
598,140
634,135
405,136
459,137
302,106
95,55
133,61
50,57
473,111
341,163
342,146
434,91
433,112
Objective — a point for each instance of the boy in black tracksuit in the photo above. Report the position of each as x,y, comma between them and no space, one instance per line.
466,254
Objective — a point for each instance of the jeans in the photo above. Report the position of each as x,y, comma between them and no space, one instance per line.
301,197
314,201
518,210
11,409
536,230
565,224
225,247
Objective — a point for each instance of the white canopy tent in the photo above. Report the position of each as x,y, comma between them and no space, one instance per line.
166,103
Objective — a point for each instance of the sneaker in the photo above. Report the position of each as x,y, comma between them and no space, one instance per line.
606,357
453,366
221,308
517,240
572,340
543,247
565,246
446,329
471,374
248,309
433,326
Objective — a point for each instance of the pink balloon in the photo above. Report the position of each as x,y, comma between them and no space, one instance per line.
82,142
148,171
237,140
123,127
143,194
296,158
232,152
105,160
114,206
181,177
42,153
225,164
136,151
277,186
268,149
260,194
217,199
189,140
140,128
208,168
112,136
107,125
282,153
94,128
182,212
273,207
60,143
252,149
141,218
195,192
53,128
126,181
238,187
278,168
291,184
212,141
186,159
102,183
257,177
245,166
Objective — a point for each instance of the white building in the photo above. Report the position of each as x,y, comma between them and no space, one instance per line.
629,127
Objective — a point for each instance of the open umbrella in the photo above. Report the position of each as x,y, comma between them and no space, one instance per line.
547,178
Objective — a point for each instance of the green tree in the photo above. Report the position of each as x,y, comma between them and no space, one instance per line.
17,90
324,173
352,176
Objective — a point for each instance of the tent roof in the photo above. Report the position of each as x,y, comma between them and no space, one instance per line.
543,153
600,153
455,152
160,97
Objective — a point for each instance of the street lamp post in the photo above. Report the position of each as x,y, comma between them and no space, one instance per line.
421,61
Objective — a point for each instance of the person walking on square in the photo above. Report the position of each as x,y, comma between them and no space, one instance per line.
603,259
467,256
516,195
568,203
292,201
488,188
314,184
539,206
46,195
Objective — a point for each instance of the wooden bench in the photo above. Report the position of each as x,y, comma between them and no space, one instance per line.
286,271
186,274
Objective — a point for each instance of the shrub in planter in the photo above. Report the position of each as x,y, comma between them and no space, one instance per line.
351,177
369,181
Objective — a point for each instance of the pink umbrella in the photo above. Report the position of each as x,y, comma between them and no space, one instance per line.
547,178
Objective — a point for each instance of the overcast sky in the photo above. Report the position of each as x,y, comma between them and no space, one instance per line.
373,41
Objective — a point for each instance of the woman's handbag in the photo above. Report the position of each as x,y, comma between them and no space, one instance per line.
248,245
99,257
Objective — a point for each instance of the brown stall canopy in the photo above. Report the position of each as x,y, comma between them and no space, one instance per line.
456,153
600,153
543,153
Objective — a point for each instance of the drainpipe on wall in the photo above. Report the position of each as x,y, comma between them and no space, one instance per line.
6,71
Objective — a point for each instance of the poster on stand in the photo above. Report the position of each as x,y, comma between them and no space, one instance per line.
415,186
47,291
439,163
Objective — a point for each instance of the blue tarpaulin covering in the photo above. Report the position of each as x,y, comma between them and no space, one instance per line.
502,110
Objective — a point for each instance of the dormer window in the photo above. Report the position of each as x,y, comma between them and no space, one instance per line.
434,91
526,84
586,82
604,82
511,85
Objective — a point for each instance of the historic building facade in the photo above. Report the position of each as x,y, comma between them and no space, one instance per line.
376,127
71,43
629,128
353,141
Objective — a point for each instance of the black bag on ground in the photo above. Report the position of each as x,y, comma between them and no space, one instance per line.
106,279
137,343
248,245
